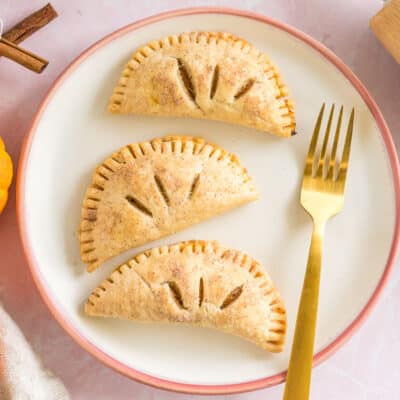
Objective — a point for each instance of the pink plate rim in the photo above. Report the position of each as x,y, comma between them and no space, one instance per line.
57,311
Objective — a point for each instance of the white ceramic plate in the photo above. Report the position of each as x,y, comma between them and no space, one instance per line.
73,133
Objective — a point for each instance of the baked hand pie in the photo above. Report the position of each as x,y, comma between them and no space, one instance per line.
199,283
210,75
149,190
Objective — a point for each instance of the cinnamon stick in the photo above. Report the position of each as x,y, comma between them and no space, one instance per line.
10,39
30,24
22,56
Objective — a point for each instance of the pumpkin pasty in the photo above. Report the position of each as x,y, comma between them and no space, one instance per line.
209,75
199,283
149,190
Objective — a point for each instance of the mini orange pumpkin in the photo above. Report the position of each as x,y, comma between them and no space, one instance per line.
6,174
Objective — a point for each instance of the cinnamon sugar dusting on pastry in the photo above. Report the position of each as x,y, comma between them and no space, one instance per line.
211,75
199,287
157,188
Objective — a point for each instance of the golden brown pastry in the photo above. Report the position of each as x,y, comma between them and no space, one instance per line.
199,283
149,190
208,75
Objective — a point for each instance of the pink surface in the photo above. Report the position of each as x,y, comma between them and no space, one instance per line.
23,202
356,372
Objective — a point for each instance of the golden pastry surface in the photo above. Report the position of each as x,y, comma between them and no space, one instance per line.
149,190
199,283
209,75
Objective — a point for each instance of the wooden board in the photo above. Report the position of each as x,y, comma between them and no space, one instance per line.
386,26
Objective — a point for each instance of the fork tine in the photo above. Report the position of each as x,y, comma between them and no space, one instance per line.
313,145
322,158
346,149
332,162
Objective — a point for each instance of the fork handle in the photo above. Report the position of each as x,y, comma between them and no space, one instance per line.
299,372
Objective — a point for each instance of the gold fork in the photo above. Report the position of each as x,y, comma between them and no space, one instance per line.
322,196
